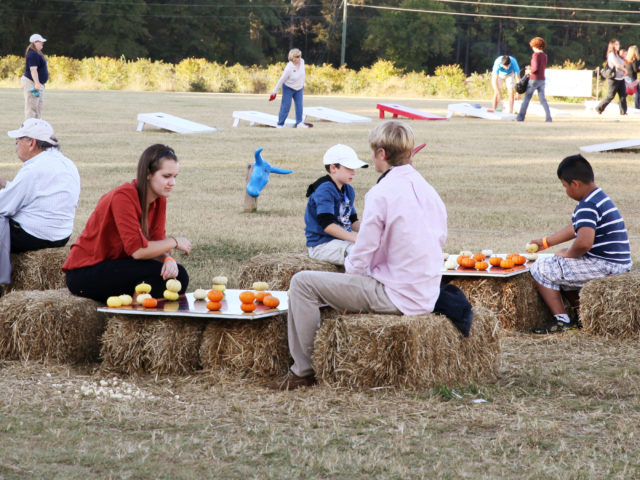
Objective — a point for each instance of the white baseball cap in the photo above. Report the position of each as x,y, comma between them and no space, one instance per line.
35,128
345,156
36,37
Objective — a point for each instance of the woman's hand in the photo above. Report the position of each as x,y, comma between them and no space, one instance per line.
169,269
183,244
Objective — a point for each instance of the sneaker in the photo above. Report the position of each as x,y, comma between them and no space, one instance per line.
279,126
302,125
553,326
291,381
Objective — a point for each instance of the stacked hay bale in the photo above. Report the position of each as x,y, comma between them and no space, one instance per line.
157,345
610,306
514,299
50,325
38,270
277,269
246,348
372,350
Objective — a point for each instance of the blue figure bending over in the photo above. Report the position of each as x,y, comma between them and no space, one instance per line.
260,175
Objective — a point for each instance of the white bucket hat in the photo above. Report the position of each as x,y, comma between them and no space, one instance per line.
35,128
345,156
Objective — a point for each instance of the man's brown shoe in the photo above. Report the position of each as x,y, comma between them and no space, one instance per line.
291,381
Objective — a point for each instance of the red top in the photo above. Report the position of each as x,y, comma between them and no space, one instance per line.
113,230
538,65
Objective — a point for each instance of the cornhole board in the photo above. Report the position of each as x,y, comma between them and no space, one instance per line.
611,109
172,123
475,110
603,147
492,271
332,115
187,306
535,108
259,118
408,112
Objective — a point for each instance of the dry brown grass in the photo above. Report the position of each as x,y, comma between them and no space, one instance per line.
38,270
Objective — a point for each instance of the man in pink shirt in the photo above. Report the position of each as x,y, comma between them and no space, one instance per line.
394,266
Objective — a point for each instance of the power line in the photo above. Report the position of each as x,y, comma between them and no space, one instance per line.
486,15
540,7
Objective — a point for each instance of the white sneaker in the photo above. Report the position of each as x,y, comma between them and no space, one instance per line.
279,126
302,125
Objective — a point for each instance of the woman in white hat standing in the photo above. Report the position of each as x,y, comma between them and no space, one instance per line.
35,76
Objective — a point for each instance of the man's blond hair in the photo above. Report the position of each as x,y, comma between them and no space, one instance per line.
397,140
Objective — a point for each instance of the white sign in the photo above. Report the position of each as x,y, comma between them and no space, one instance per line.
568,83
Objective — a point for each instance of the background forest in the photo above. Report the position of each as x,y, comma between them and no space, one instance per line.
260,32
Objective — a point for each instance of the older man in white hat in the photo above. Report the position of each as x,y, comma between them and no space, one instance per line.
38,206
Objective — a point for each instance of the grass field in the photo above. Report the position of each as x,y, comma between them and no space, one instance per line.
566,407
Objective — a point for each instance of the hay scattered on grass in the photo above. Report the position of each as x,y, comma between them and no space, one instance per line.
38,270
157,345
514,299
372,350
277,269
610,306
49,325
248,348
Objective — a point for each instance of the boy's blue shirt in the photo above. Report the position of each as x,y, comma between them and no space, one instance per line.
325,198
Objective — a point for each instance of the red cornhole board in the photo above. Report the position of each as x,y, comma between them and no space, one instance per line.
408,112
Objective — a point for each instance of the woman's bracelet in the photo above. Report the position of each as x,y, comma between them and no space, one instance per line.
167,258
174,239
545,244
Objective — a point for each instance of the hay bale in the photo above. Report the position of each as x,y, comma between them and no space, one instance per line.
277,269
373,350
248,348
157,345
38,270
49,325
514,299
610,306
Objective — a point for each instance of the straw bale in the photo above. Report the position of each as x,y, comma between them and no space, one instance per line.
610,306
373,350
514,299
158,345
277,269
248,348
38,270
49,325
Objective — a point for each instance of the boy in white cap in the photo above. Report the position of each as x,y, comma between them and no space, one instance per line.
38,206
331,220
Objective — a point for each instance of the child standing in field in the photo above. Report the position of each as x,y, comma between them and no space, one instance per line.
394,266
331,220
600,245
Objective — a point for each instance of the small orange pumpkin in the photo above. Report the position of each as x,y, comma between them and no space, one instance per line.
260,295
482,265
479,257
215,295
248,307
468,262
461,258
149,302
519,259
247,297
270,301
214,305
495,261
506,264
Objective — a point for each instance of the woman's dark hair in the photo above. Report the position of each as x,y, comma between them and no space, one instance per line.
575,167
149,163
612,46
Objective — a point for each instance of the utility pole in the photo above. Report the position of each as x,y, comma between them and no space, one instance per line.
344,31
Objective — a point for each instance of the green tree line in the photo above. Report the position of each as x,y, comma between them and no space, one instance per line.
260,32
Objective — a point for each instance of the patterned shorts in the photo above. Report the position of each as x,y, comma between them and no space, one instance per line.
572,273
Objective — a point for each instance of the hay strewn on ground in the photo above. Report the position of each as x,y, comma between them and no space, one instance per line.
610,306
514,299
277,269
247,347
38,270
158,345
50,325
372,350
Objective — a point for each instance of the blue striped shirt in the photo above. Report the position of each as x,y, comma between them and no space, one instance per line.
611,242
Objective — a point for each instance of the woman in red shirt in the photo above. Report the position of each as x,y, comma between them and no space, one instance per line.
124,242
536,79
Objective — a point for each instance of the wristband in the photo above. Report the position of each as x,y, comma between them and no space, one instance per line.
545,245
174,239
168,258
